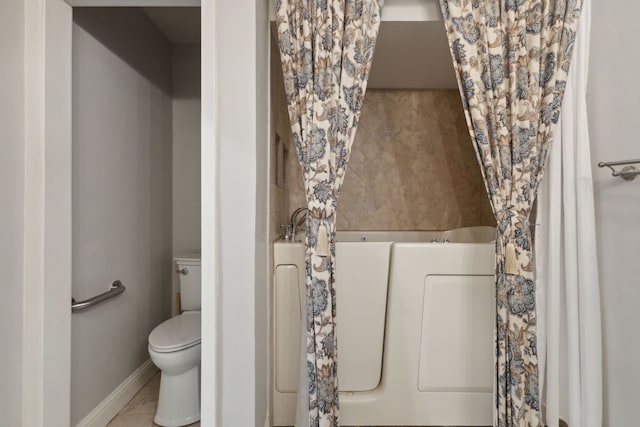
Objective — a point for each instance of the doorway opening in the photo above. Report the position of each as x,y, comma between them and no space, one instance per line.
136,155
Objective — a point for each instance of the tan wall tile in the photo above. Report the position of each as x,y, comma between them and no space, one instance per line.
412,165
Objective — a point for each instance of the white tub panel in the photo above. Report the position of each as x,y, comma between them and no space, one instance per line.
287,327
362,271
398,401
456,351
400,397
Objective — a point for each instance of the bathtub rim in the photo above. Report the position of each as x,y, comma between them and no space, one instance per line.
481,234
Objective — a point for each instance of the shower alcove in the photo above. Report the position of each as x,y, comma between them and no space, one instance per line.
412,175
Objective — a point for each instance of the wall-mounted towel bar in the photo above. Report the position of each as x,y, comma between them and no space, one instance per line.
628,173
116,288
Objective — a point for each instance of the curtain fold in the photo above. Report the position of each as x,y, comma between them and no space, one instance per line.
511,59
326,48
567,279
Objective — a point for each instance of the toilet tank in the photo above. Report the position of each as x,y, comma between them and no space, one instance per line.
190,281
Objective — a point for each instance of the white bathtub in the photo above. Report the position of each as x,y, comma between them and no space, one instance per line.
415,327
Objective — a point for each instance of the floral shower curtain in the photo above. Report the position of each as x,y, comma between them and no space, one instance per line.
326,48
511,59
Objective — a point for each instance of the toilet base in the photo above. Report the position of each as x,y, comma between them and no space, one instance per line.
179,400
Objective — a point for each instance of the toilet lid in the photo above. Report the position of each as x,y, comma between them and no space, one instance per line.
177,333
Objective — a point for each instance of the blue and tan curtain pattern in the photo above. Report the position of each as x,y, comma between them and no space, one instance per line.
326,47
511,59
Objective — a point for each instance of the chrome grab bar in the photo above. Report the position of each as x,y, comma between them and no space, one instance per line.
628,173
116,288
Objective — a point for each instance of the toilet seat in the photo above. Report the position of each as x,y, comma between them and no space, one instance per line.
178,333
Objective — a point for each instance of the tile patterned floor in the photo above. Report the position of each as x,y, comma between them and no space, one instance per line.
140,410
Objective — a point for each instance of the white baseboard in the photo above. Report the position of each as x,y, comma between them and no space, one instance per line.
112,404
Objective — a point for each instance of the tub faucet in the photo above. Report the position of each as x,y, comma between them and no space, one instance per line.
288,237
292,227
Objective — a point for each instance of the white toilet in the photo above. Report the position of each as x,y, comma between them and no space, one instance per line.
174,347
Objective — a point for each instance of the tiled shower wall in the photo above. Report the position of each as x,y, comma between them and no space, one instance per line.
284,191
412,166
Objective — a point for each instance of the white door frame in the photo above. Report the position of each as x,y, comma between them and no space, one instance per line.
46,373
47,245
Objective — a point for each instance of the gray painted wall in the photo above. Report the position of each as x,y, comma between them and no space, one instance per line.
11,213
613,114
186,153
122,204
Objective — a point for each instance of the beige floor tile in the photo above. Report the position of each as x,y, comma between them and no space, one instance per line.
138,420
154,381
133,420
146,401
140,410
